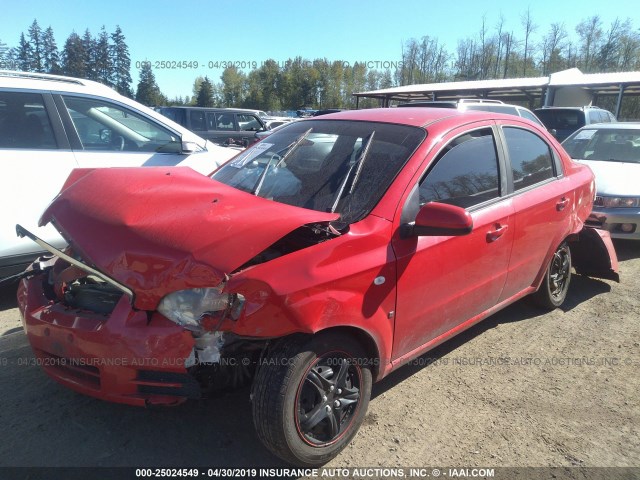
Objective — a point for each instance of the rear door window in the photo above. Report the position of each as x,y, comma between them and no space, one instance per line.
466,172
225,121
531,158
24,122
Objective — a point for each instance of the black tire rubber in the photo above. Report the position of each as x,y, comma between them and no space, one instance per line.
277,393
555,284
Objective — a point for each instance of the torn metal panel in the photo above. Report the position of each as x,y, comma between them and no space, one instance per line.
158,231
594,254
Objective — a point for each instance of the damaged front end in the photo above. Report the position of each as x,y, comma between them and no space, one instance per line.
88,336
142,295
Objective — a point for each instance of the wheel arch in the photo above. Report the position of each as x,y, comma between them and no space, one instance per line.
364,338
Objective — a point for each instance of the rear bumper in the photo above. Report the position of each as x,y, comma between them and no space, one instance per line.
126,357
611,219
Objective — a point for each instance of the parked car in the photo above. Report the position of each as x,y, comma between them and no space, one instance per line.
318,261
612,151
223,126
326,111
270,121
50,125
486,105
266,133
563,121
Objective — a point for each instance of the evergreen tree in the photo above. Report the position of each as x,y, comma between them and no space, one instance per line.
102,59
24,54
5,53
148,92
121,64
74,57
205,94
196,87
51,57
89,48
37,47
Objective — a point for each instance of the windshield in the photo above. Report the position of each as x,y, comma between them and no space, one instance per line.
561,119
325,165
622,145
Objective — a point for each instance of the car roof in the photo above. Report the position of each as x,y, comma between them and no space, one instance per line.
42,81
418,116
552,108
613,126
216,109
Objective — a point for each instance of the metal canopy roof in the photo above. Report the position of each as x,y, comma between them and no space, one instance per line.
530,90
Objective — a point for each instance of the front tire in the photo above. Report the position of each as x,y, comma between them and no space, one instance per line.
555,285
310,397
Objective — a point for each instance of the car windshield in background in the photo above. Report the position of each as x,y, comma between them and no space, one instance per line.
622,145
561,119
325,165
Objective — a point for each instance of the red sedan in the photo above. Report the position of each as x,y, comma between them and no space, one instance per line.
314,263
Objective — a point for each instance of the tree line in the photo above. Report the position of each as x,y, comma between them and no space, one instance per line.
505,53
103,57
495,51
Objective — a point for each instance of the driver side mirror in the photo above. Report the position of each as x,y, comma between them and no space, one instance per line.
435,219
188,147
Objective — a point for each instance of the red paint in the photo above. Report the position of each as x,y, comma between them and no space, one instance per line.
159,230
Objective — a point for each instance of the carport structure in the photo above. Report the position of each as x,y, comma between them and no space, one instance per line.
561,89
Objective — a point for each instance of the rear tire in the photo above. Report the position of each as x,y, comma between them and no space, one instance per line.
310,396
555,284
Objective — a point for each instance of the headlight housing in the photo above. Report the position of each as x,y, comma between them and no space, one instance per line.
618,202
189,308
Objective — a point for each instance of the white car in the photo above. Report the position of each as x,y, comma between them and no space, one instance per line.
612,151
50,125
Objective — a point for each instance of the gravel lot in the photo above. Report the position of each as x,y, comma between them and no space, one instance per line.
520,389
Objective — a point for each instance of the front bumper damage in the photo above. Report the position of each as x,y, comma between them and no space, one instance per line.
88,336
128,356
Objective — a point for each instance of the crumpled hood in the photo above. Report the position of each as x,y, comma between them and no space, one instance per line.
615,178
158,230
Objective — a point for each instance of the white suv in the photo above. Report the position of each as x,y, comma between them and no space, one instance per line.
50,125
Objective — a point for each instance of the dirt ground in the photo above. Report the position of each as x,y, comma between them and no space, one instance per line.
522,388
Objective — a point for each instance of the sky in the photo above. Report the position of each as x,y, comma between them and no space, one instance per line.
248,33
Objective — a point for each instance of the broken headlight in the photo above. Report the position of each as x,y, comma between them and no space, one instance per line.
189,308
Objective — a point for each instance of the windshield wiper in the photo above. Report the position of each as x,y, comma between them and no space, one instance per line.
358,163
292,148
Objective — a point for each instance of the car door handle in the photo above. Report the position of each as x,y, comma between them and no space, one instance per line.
494,235
562,203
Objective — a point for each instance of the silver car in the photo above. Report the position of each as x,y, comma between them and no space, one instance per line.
612,151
